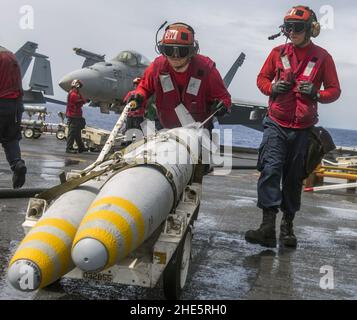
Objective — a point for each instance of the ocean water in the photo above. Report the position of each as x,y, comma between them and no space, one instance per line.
241,136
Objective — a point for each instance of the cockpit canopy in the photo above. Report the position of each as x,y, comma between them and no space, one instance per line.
132,59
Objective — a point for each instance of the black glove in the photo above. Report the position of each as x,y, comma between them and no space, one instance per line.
309,89
218,105
222,111
136,101
281,87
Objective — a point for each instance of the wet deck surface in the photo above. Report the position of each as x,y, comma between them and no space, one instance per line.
223,265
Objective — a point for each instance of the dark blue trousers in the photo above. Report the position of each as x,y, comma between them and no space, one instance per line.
10,135
281,161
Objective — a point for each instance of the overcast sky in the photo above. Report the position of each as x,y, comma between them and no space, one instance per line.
224,28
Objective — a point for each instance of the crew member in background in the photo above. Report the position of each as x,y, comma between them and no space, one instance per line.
76,122
181,75
11,109
292,76
135,117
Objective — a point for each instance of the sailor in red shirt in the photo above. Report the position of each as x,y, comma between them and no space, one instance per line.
76,122
292,77
135,117
11,109
181,75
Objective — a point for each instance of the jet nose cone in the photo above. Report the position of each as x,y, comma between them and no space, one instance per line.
89,79
65,83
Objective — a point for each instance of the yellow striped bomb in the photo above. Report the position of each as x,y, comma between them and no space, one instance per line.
134,203
44,255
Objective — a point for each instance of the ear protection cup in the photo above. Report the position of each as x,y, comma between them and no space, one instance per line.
315,25
315,29
196,47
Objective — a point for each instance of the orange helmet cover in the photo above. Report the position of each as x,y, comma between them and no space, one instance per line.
178,34
298,13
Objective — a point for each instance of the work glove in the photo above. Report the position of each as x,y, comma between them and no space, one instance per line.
281,87
136,101
309,89
218,105
222,111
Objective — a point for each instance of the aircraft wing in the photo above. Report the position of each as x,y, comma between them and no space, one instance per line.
247,103
62,103
37,97
91,58
246,113
33,97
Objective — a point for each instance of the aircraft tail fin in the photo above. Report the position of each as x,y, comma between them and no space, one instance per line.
233,70
24,56
41,78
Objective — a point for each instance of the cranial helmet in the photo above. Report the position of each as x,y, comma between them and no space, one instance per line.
300,19
76,84
179,40
137,80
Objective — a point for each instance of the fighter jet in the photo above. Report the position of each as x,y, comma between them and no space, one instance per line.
106,83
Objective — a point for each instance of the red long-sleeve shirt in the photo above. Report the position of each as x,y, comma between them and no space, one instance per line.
216,91
197,88
10,75
327,75
75,104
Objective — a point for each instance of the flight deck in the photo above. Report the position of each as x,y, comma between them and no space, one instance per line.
223,266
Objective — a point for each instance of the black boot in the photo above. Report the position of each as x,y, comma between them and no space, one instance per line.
18,178
71,151
287,236
84,149
265,235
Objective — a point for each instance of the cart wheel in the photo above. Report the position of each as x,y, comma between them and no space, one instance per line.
175,274
37,134
60,135
29,133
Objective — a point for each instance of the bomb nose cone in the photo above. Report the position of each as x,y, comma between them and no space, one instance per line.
90,255
24,275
